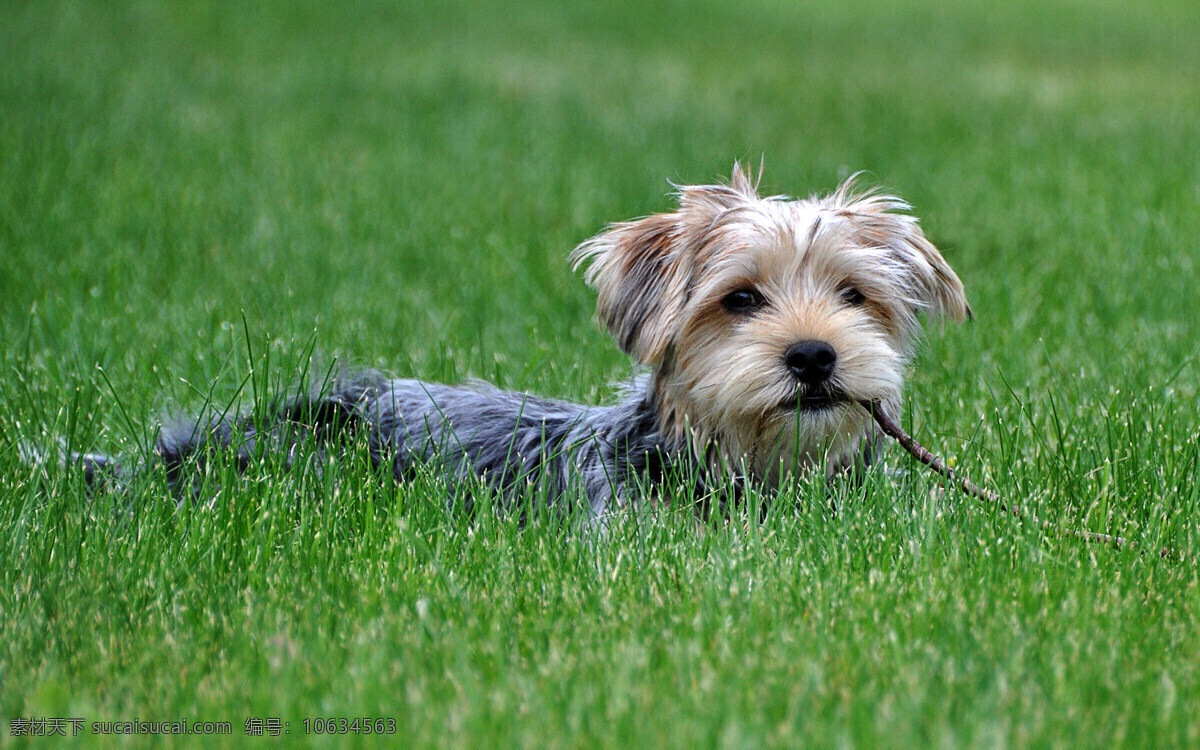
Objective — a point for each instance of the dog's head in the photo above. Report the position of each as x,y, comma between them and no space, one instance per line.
765,320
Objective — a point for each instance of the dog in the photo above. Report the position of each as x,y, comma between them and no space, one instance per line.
759,325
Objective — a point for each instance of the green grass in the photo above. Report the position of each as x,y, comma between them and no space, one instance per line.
189,191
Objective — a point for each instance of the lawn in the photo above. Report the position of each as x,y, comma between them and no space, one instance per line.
202,203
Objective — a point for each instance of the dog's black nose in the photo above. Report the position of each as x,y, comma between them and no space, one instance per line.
811,361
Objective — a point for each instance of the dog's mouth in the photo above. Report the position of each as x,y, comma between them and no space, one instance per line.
814,400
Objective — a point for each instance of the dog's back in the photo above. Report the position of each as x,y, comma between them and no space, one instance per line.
514,443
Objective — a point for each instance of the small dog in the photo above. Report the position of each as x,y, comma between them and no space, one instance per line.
761,323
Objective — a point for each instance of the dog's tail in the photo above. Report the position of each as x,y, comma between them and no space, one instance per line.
99,470
322,414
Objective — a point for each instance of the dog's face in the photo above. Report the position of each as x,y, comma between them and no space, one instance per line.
766,320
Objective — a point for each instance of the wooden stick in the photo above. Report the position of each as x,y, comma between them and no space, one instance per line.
918,451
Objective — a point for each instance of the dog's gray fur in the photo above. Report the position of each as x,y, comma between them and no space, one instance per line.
514,442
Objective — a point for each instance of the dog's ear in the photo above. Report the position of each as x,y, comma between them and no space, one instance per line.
641,269
878,220
640,275
943,289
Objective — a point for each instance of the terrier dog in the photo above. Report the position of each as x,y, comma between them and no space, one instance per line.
761,323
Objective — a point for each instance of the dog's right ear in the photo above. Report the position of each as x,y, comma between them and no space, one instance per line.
640,275
641,269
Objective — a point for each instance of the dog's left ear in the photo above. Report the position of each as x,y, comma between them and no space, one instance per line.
877,220
938,285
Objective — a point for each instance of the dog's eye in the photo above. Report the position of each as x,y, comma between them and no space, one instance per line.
852,296
742,301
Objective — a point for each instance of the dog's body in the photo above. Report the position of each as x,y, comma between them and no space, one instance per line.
763,324
512,442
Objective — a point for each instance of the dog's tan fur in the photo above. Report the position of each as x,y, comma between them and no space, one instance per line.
720,376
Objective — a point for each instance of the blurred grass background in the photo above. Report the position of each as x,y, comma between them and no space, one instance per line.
397,185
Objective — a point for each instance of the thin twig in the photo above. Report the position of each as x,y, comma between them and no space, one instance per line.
919,452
